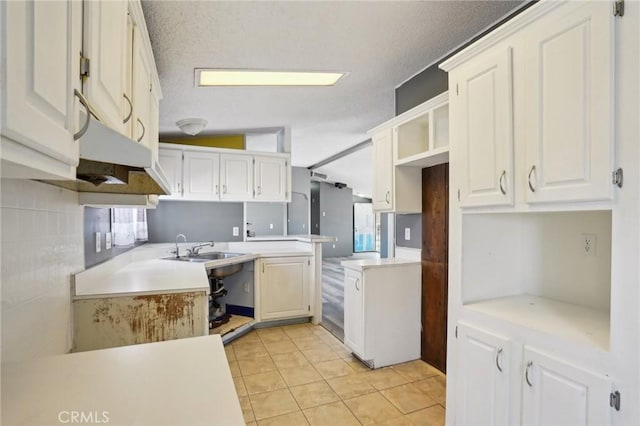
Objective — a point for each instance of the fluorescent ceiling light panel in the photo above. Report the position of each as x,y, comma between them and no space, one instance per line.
219,77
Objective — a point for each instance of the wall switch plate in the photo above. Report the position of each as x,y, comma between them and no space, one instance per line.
107,240
245,287
271,226
407,234
236,231
324,214
98,242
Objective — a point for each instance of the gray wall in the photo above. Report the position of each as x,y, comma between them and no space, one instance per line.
414,223
298,208
422,87
336,219
199,221
384,230
98,220
315,208
266,218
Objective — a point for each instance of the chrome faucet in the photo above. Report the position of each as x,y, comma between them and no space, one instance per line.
184,237
193,251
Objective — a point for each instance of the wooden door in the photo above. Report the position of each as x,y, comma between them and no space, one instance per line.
270,176
284,288
141,91
171,162
354,311
569,105
236,177
435,264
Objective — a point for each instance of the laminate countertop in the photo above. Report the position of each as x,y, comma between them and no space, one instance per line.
361,264
178,382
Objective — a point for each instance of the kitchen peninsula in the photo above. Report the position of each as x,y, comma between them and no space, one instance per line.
143,296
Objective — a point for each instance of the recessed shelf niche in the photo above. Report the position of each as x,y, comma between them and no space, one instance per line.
532,269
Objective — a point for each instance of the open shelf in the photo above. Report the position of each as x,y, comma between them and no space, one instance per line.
532,269
578,323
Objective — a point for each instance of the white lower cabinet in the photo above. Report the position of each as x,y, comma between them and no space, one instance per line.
554,391
283,288
382,310
482,388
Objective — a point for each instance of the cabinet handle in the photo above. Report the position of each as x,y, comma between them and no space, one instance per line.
128,117
224,189
143,130
533,169
85,126
357,281
217,190
498,359
386,197
526,373
502,188
259,190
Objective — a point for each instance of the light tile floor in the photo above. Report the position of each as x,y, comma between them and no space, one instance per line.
302,375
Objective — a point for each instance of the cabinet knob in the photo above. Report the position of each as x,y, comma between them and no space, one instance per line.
128,117
531,172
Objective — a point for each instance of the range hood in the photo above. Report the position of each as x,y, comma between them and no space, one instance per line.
111,163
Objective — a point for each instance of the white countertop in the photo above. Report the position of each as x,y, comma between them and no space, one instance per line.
376,263
302,238
178,382
144,270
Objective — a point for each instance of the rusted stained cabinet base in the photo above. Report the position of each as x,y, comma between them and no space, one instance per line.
127,320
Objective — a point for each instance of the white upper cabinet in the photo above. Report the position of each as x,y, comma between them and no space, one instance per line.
482,103
40,66
201,175
104,45
236,177
383,170
171,162
569,105
555,392
141,125
270,174
482,378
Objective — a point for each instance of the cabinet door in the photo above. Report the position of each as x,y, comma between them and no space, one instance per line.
41,42
555,392
236,177
383,170
482,104
141,91
270,174
354,311
201,175
171,162
569,104
284,288
482,378
104,43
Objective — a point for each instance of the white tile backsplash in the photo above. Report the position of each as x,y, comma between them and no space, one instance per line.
42,246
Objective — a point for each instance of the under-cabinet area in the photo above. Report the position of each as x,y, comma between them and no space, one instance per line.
547,271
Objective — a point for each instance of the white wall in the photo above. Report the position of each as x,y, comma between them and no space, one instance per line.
41,247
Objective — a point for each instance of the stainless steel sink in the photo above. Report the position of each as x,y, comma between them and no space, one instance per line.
205,257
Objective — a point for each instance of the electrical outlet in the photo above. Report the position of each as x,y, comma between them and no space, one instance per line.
407,234
588,243
245,287
98,243
324,214
271,226
107,240
236,231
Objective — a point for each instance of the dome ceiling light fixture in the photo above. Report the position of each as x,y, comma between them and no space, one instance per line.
192,126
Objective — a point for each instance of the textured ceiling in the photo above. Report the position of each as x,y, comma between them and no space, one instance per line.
380,44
